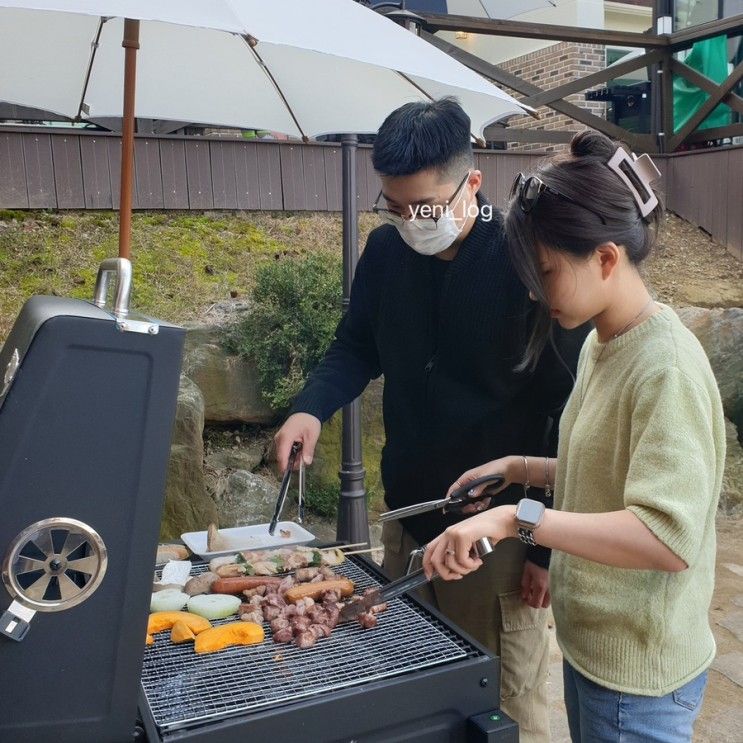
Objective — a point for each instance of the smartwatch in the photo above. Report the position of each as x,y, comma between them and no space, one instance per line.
529,516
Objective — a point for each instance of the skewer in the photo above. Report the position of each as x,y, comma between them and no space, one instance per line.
344,546
363,552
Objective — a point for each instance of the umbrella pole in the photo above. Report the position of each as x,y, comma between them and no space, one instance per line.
353,519
130,44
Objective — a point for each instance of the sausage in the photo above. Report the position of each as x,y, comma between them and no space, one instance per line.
236,586
316,590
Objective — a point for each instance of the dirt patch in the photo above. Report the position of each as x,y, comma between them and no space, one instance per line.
688,267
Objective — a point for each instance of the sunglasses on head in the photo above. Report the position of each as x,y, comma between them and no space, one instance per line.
528,190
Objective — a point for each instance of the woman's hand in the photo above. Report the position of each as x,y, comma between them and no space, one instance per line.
503,466
452,554
535,586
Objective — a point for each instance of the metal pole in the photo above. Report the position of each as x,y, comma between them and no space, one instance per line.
662,80
130,44
656,71
353,520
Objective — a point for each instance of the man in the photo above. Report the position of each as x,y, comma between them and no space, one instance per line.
437,308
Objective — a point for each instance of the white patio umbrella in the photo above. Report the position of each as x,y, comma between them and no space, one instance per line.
287,65
299,67
496,9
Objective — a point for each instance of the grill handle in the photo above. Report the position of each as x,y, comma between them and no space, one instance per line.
121,269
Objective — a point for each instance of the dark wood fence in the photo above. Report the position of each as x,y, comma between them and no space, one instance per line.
705,187
66,169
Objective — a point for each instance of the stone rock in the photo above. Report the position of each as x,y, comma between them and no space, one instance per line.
733,622
188,507
228,382
239,458
243,498
720,331
731,497
188,427
730,665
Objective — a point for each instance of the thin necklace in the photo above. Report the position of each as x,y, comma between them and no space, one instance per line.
616,335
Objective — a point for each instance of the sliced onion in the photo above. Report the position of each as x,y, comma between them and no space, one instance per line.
171,599
214,605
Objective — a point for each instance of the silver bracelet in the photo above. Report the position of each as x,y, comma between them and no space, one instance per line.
547,488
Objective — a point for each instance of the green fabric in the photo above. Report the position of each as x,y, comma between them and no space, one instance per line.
710,57
649,436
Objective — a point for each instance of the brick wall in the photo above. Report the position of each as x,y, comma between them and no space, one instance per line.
548,68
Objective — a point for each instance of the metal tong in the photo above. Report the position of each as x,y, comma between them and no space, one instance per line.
403,585
460,498
284,489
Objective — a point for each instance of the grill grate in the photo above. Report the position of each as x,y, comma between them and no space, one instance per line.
184,690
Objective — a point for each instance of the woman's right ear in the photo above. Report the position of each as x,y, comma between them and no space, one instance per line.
609,256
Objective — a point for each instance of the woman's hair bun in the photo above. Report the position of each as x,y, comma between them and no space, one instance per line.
590,143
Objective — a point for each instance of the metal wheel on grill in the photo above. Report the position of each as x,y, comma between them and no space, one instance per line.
55,564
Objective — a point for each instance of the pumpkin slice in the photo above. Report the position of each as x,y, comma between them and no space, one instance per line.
181,633
164,620
226,635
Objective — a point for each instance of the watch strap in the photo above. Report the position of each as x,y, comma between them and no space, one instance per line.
526,536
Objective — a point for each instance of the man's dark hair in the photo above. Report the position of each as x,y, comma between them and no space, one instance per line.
423,136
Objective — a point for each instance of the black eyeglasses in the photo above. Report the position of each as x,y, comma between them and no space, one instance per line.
387,215
528,190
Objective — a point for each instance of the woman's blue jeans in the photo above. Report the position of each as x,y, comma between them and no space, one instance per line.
600,715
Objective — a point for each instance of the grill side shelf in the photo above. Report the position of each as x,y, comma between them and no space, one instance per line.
183,690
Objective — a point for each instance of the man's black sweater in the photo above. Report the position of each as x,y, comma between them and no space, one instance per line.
452,400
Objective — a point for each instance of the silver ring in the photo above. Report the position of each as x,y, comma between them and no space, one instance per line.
450,551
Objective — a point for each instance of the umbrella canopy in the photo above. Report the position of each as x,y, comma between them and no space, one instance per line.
286,65
495,9
292,66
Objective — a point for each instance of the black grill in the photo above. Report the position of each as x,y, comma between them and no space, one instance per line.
413,676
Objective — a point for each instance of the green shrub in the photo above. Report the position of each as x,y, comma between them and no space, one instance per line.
322,500
297,305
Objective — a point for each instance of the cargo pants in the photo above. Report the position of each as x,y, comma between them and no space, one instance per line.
487,605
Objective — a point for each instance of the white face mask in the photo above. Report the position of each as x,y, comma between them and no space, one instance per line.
426,235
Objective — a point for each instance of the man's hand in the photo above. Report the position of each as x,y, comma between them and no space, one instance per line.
535,589
298,427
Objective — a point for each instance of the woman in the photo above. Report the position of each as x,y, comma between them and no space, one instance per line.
640,458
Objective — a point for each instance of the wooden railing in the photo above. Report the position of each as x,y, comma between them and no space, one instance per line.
73,169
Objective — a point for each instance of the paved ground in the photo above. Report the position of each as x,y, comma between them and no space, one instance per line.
721,719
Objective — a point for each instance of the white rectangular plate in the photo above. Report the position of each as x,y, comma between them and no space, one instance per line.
253,537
